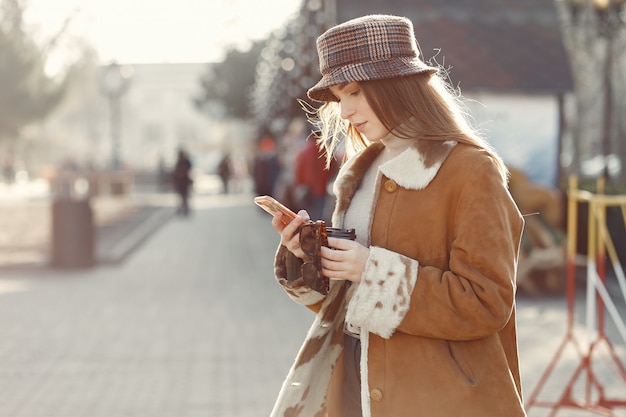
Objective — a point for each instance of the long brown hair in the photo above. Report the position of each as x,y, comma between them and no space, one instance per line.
416,106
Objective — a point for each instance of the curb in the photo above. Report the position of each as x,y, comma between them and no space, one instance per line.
149,221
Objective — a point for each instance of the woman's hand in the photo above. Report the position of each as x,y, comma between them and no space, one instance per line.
289,236
345,259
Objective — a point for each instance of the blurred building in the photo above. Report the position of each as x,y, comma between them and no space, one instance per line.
159,115
156,115
506,56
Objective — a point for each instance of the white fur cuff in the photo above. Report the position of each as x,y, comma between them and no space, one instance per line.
301,294
383,297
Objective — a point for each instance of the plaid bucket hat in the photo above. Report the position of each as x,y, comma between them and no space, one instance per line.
367,48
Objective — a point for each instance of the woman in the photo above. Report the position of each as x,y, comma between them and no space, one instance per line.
420,316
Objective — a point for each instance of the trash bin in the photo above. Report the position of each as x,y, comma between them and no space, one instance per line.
73,235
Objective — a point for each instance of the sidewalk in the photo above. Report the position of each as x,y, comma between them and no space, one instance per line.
192,324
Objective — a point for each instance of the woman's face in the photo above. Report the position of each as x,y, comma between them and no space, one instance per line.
356,110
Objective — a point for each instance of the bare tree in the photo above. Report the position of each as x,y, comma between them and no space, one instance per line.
596,41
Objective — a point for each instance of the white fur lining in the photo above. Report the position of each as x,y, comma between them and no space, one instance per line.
295,393
306,384
382,299
366,410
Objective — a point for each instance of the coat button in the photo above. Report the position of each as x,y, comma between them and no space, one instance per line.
376,394
391,186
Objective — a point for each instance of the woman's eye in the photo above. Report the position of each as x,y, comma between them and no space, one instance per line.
355,93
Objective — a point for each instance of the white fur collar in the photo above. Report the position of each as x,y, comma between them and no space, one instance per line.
414,168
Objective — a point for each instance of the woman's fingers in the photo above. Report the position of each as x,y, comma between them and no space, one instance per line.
345,259
289,234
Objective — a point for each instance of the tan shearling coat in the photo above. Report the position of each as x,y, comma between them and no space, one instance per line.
436,305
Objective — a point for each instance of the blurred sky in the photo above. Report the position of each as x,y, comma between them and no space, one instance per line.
158,30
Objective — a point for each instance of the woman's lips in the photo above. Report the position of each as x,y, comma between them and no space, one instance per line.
359,126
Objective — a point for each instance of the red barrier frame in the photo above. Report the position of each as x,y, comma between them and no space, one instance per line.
599,403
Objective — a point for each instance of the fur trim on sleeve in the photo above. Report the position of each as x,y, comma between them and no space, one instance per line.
287,272
382,298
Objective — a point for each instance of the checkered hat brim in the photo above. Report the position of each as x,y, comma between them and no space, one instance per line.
368,48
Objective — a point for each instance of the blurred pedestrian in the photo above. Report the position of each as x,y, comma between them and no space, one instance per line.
419,317
8,169
266,167
182,181
225,171
311,180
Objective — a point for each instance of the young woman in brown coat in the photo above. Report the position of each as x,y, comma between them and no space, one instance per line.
419,319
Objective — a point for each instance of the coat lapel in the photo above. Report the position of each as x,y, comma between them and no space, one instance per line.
349,179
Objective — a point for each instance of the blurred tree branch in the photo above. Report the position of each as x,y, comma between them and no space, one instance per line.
27,93
229,82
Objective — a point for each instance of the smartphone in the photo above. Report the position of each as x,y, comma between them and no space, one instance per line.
272,206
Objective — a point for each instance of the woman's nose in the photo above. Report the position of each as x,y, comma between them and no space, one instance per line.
346,110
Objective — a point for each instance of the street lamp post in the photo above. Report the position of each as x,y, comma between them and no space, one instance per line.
114,82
